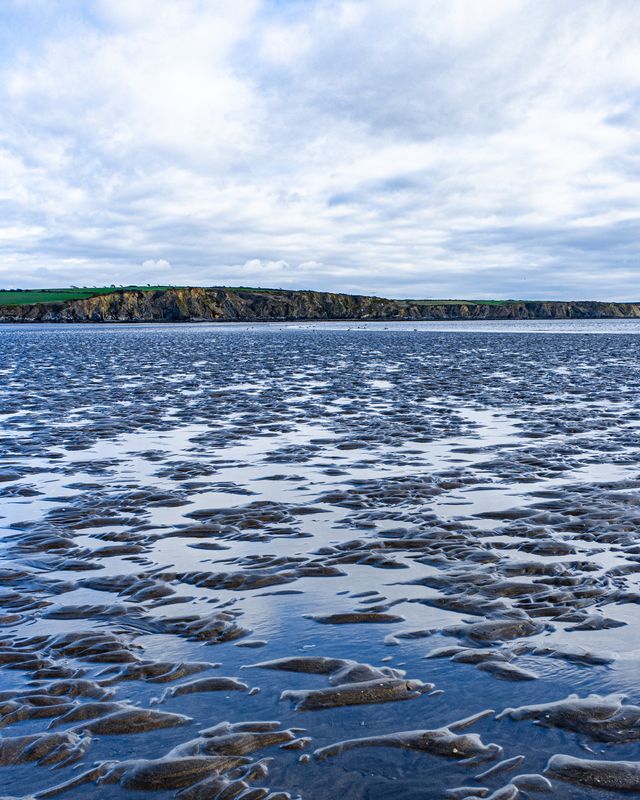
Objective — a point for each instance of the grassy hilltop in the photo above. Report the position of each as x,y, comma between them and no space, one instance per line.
246,304
19,297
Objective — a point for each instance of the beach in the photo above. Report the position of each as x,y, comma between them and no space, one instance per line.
298,560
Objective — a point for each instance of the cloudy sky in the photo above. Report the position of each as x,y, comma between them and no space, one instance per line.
408,148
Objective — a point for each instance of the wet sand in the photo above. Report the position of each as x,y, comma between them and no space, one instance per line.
294,561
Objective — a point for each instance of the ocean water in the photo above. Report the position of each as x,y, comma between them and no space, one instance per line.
435,520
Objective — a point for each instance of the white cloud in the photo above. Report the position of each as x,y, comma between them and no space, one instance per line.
13,233
388,146
159,265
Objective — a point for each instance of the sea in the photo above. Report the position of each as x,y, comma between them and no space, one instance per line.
379,561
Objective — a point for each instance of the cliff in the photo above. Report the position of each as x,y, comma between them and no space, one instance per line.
243,305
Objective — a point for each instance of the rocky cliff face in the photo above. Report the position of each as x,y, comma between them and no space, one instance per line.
230,305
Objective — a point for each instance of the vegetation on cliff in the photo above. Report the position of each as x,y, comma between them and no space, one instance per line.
243,304
20,297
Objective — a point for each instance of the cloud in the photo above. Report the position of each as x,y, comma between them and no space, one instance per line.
160,265
390,146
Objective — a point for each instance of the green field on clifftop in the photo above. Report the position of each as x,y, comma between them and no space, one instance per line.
22,297
457,302
19,297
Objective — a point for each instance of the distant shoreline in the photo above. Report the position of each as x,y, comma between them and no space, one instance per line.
230,322
142,305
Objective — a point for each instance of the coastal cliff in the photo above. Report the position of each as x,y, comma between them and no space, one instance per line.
244,305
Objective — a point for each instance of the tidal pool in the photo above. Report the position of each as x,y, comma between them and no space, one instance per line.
308,560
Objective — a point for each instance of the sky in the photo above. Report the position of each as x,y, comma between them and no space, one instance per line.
404,148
